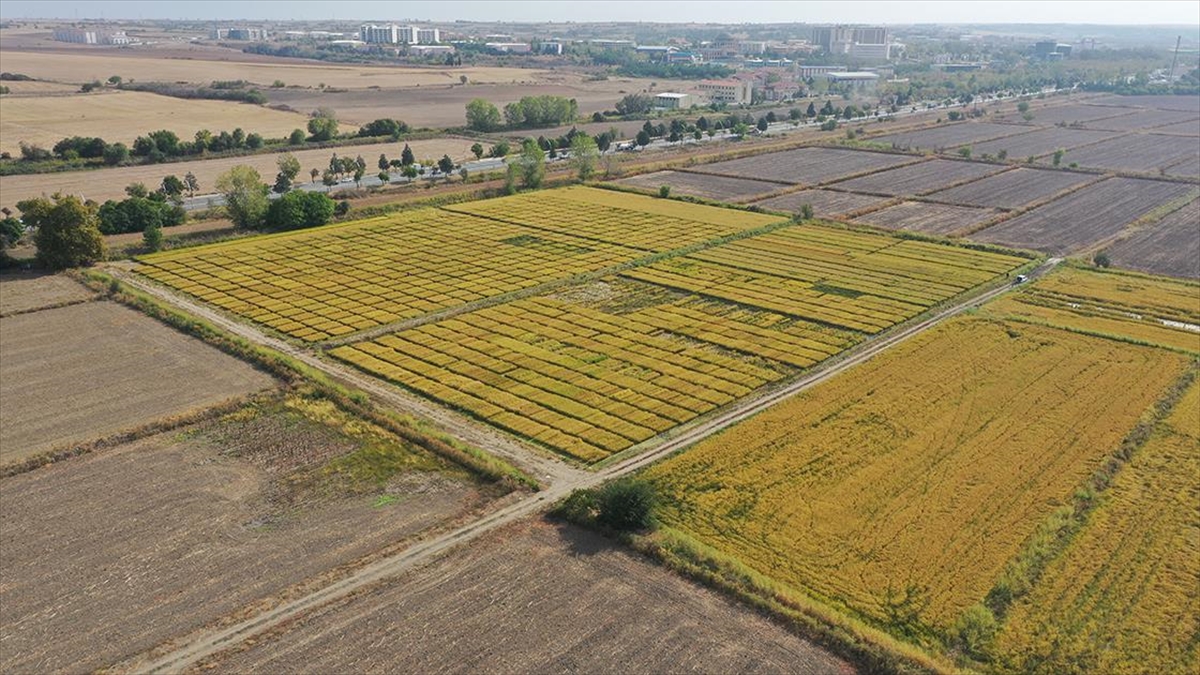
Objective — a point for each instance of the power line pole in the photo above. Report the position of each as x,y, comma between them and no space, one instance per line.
1171,76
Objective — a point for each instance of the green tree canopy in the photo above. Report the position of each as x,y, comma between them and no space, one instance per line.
245,196
482,115
67,234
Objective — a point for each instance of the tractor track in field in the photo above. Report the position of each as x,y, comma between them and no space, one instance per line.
561,478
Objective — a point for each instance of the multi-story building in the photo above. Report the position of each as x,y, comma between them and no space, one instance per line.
393,35
510,47
91,36
672,101
380,35
806,72
870,51
428,36
842,39
247,34
430,50
737,92
554,48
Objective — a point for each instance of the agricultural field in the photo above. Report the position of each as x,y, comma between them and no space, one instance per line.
1122,597
1085,217
160,536
1168,247
806,166
582,382
825,203
1152,310
942,219
1039,143
849,280
919,179
1148,120
109,183
1159,102
26,292
501,605
708,186
889,493
124,115
1189,167
1133,152
617,218
1182,128
949,135
81,372
1012,189
1068,114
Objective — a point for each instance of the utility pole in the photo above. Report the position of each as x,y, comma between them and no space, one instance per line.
1171,75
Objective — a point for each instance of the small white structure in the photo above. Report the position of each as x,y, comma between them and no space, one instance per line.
672,101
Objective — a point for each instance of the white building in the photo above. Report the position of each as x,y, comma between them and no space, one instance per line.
428,36
737,92
870,52
380,35
392,34
860,79
429,50
91,36
509,47
672,101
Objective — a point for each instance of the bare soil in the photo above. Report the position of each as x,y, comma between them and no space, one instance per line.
86,371
1148,120
29,291
1170,246
102,184
1190,103
1040,142
825,203
535,597
1067,114
807,166
928,218
719,188
950,135
1191,128
1135,152
920,179
112,553
1085,217
1013,189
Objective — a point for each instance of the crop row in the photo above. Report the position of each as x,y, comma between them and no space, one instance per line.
333,281
583,382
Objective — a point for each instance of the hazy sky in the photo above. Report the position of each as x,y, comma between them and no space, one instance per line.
720,11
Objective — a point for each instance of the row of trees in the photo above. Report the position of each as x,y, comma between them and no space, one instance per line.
530,111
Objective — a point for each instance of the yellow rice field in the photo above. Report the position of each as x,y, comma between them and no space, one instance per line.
1154,310
1123,598
852,280
919,474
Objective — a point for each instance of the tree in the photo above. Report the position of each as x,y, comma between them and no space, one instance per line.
1058,156
409,172
245,196
299,209
383,163
313,173
359,172
406,156
254,141
627,505
510,179
173,187
115,154
135,214
500,149
477,150
384,127
282,183
323,126
482,115
11,231
633,104
114,80
445,164
532,163
152,237
296,137
584,155
806,211
463,79
67,234
288,165
137,190
604,141
965,152
190,182
384,177
1023,107
812,110
1101,259
664,191
329,178
643,138
762,124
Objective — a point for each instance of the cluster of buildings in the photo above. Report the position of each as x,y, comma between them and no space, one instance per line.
392,34
238,33
864,43
91,36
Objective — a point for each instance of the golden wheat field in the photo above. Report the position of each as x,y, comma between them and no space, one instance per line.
903,486
1123,597
1130,306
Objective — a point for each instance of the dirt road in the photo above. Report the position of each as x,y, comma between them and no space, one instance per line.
560,478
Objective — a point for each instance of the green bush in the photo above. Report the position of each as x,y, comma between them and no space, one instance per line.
299,209
626,505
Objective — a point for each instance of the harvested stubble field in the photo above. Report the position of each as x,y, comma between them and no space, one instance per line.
1085,217
102,184
125,115
536,598
1189,167
942,219
719,188
899,490
1122,597
1068,114
86,371
28,291
806,166
1012,189
825,203
1187,103
949,135
157,537
146,67
1191,128
584,382
919,179
1168,247
850,280
1148,120
1134,152
617,218
1039,143
1126,306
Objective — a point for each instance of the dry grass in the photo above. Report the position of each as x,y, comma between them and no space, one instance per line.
104,184
125,115
85,371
